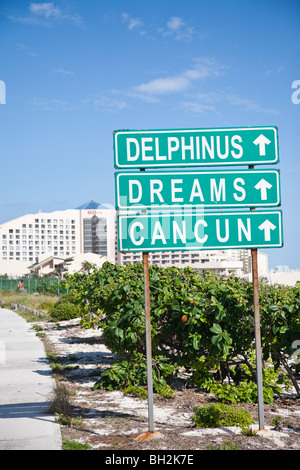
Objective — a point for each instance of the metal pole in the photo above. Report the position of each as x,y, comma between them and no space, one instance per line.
257,339
258,355
148,341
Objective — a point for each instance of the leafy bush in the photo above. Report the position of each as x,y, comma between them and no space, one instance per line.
219,414
64,311
60,401
74,445
47,287
132,377
68,297
47,305
244,390
200,322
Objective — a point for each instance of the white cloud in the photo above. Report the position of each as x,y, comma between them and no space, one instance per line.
196,107
42,13
161,86
64,72
132,23
110,102
27,50
249,105
212,101
201,102
203,68
175,23
177,28
51,104
48,10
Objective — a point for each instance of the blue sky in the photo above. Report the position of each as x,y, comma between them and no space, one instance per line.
77,70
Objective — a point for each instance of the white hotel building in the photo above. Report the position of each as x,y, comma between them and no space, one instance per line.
47,239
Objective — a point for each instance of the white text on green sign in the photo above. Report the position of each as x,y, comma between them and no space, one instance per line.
231,188
193,231
195,147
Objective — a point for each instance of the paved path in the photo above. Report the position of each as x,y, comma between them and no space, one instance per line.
26,383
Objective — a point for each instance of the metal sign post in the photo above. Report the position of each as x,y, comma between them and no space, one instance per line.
148,337
257,339
259,381
148,341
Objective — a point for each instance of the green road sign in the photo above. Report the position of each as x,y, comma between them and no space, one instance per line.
195,147
200,231
229,188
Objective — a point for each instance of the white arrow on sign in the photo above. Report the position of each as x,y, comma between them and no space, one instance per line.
267,226
263,185
262,141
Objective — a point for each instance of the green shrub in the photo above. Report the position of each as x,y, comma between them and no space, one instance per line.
68,297
136,391
193,321
60,401
75,445
219,414
227,445
64,311
47,305
132,376
49,287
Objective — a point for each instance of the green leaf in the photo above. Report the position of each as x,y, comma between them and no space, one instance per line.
216,328
119,333
215,339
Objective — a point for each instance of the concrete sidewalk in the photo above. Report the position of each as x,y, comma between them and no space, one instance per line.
26,383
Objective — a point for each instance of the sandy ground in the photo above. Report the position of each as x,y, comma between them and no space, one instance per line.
114,421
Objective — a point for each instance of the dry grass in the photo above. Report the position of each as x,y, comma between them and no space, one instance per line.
60,401
28,300
39,302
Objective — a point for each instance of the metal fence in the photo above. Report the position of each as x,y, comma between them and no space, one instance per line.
31,285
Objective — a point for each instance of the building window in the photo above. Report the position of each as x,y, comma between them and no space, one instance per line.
95,235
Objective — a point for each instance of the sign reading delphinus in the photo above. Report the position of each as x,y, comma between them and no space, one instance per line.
196,231
195,147
231,188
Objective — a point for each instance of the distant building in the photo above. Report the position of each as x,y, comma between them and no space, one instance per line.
284,275
245,257
217,260
42,242
33,238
